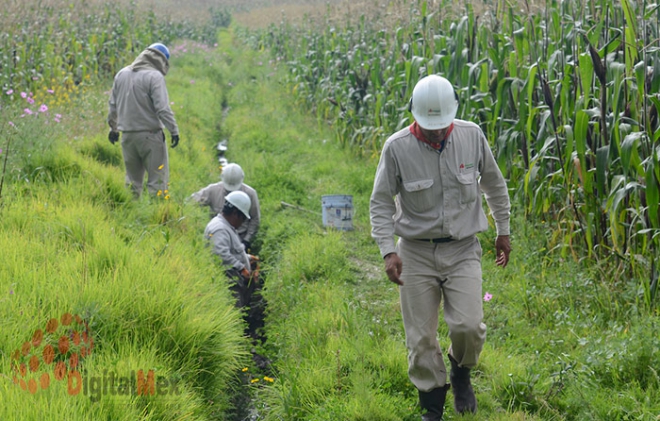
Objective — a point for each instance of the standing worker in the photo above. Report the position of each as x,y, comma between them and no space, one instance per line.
214,194
139,108
427,191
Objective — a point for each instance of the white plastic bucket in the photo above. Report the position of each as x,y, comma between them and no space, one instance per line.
338,211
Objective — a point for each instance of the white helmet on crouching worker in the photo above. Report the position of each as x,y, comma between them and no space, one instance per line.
240,201
232,177
434,103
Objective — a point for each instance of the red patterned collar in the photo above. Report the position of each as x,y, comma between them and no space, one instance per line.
417,132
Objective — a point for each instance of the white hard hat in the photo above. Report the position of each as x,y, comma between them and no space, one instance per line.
434,103
241,201
232,177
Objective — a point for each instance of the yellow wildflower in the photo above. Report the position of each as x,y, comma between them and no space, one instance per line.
244,369
254,380
161,166
159,193
269,379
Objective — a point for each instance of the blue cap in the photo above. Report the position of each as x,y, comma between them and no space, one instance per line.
160,47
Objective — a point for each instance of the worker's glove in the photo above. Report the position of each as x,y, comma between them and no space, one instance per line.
113,137
247,245
254,266
175,140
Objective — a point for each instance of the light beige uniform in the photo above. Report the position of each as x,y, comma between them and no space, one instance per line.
214,195
419,194
227,244
139,107
228,247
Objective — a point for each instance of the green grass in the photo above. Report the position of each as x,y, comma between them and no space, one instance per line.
565,342
137,272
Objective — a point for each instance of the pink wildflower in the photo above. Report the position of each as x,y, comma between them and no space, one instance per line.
58,115
30,100
50,91
23,95
43,108
27,111
9,92
488,296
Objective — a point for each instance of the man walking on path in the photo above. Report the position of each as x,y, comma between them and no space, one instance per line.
214,194
427,191
139,108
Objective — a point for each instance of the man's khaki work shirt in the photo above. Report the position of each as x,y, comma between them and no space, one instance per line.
420,193
227,244
139,99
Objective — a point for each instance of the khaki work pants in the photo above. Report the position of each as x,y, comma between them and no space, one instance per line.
430,273
146,151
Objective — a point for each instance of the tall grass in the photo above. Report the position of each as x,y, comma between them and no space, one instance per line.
73,241
147,307
566,93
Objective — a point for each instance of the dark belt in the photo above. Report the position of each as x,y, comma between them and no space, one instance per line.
435,240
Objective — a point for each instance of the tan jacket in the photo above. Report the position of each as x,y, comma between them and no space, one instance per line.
139,100
227,244
213,196
422,194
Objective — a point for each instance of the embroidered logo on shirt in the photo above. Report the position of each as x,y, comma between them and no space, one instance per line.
466,166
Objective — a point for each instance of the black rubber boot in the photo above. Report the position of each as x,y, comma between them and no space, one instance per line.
464,399
433,403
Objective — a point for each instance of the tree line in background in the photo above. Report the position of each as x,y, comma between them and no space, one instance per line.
568,95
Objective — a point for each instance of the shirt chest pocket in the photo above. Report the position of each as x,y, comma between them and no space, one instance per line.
418,194
237,248
467,185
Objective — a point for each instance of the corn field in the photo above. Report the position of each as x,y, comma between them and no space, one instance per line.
52,42
51,50
567,94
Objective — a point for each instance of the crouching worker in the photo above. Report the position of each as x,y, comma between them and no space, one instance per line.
221,232
214,194
240,267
